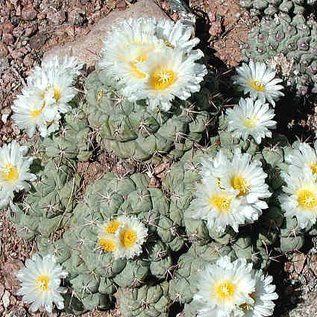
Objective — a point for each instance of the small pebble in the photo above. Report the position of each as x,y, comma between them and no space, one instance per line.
28,13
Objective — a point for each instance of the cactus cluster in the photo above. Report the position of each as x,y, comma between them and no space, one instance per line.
271,7
133,130
222,199
288,44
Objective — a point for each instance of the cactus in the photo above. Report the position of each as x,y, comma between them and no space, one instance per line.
271,7
289,45
94,273
132,130
149,300
47,206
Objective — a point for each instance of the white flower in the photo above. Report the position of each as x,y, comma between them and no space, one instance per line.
300,198
40,283
131,235
107,240
127,46
303,155
232,191
246,175
223,287
219,207
153,61
259,81
263,297
49,90
251,118
169,75
14,171
31,114
176,35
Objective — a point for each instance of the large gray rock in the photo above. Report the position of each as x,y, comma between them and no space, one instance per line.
308,308
87,48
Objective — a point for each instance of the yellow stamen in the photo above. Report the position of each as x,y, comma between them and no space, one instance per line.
108,245
57,93
239,183
307,199
42,283
161,78
250,123
225,290
313,167
256,85
128,237
221,202
36,113
9,173
168,44
112,226
135,70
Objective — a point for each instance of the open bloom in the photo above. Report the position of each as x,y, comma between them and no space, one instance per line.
122,236
232,191
224,286
176,35
303,156
153,61
49,90
40,283
107,240
259,81
263,296
14,171
300,196
170,75
251,118
31,114
131,236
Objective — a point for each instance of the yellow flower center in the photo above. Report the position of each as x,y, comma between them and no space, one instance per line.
250,123
42,283
10,173
225,290
161,78
307,199
256,85
239,183
108,245
112,226
221,202
57,93
128,237
313,167
36,113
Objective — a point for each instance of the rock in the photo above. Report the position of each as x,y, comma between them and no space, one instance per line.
28,13
38,40
28,60
9,270
6,299
306,309
7,39
3,50
87,48
7,27
30,30
57,18
1,290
